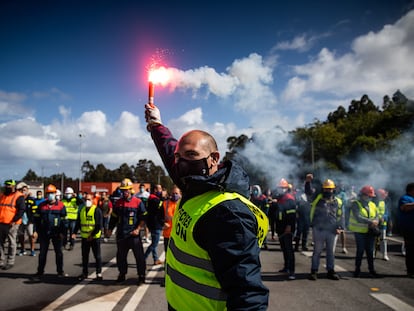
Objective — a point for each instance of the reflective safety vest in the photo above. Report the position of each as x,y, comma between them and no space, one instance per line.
87,222
8,207
339,211
71,209
381,212
190,280
370,213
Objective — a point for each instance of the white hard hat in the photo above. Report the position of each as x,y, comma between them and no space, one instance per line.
58,192
69,190
21,185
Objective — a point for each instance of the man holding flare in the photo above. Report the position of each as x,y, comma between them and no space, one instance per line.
216,229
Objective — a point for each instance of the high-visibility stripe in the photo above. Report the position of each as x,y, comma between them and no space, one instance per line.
191,285
190,260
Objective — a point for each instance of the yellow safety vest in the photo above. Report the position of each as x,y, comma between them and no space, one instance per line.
381,211
71,209
317,199
191,283
359,227
87,222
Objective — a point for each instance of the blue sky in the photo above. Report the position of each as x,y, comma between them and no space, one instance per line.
80,67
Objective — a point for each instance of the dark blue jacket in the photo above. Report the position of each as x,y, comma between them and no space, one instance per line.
227,232
49,219
126,215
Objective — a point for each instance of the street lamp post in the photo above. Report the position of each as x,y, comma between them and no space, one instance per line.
80,163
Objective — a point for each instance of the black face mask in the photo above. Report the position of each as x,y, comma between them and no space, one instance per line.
327,195
184,168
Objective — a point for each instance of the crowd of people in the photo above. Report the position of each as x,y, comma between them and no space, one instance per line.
213,222
328,212
92,218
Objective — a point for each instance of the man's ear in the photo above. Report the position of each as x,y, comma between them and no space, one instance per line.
215,156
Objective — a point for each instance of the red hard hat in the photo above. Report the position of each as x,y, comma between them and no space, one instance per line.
368,190
382,193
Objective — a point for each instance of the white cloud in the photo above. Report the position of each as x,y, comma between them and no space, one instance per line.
378,64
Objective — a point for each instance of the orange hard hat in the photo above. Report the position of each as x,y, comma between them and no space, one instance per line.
283,183
51,189
368,191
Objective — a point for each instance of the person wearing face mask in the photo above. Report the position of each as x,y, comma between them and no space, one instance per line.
90,223
73,206
128,215
327,221
285,226
12,208
155,222
27,220
363,220
217,231
49,226
170,206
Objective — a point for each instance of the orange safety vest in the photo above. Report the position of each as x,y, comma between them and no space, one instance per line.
8,207
169,210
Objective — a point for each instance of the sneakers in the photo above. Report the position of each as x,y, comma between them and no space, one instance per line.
121,278
357,273
374,274
313,276
33,253
82,277
37,277
344,251
106,240
141,280
386,258
291,277
158,262
332,275
62,275
7,267
99,277
22,253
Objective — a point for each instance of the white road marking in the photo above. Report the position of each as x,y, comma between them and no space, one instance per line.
102,303
109,301
392,302
66,296
136,298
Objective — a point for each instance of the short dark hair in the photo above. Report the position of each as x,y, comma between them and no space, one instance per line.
410,187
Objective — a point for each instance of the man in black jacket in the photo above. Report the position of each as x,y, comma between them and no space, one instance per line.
217,232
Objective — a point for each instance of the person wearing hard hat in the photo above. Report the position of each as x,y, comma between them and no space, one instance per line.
12,208
285,226
406,222
363,221
383,207
49,226
327,221
128,215
27,220
72,204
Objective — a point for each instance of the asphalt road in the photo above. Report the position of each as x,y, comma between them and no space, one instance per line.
393,291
